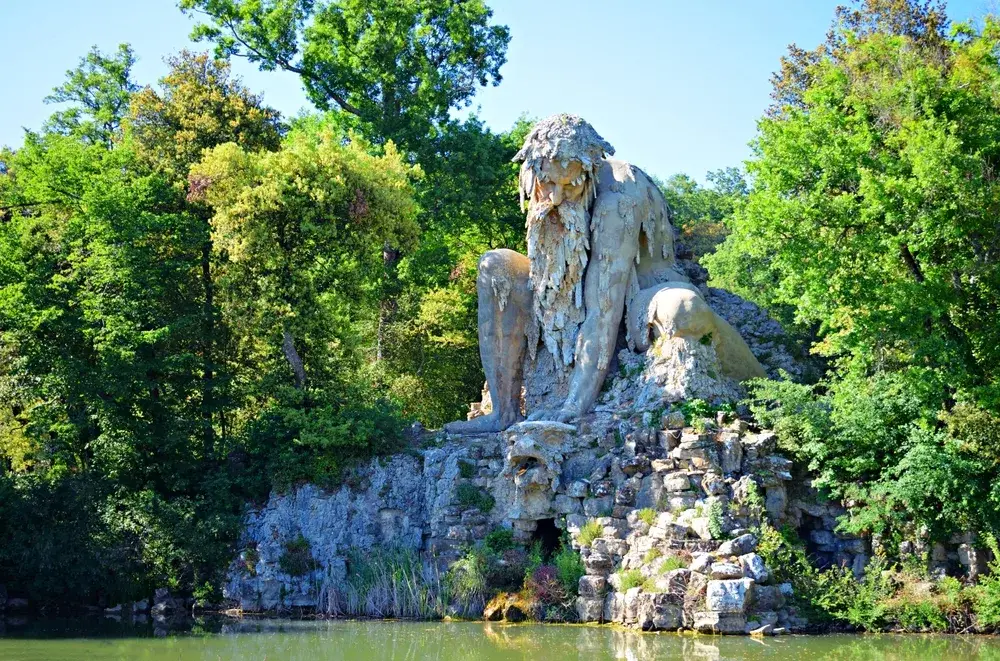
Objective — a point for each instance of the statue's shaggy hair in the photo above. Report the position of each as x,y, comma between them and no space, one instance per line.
559,238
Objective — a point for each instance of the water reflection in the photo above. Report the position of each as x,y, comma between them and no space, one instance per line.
212,640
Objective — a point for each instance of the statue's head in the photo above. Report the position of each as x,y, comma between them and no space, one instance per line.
560,160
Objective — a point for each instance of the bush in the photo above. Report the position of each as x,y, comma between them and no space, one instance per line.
590,531
544,585
499,540
469,496
297,559
569,567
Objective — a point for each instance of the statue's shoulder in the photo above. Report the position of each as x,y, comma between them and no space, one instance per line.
617,176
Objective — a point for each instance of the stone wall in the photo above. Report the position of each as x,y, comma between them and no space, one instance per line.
675,505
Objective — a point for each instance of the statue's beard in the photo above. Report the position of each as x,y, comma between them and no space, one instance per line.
558,247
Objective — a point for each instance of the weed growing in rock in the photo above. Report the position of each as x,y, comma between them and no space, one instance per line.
647,515
590,531
630,578
672,562
466,469
468,496
297,559
651,555
499,540
715,512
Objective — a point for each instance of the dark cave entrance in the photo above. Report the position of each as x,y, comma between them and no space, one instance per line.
547,535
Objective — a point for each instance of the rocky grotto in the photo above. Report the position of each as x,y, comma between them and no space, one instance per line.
604,338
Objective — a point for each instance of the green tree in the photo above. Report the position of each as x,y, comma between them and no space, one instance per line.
300,232
872,219
99,90
396,67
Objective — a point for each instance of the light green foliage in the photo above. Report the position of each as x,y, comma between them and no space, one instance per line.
651,555
469,496
467,579
630,578
871,202
699,212
672,562
647,515
590,531
569,567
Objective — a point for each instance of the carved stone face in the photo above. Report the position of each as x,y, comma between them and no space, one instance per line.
560,181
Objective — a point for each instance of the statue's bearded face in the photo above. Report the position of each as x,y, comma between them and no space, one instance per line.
558,246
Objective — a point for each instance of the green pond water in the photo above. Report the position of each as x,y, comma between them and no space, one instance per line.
274,640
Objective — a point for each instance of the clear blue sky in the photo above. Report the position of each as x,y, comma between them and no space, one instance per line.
674,85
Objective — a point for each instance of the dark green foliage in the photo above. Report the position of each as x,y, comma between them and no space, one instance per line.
499,540
469,495
296,558
466,469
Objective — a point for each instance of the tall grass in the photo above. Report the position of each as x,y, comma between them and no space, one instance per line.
386,583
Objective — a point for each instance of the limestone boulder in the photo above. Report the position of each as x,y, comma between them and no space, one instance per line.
729,596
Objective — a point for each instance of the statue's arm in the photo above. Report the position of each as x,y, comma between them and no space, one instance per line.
614,243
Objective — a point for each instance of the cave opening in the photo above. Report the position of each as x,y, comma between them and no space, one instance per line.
547,535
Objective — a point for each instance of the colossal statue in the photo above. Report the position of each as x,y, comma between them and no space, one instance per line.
600,257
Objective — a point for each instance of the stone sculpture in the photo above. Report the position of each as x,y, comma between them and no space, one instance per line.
600,253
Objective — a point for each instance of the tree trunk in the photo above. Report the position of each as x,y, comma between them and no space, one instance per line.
288,345
208,345
388,304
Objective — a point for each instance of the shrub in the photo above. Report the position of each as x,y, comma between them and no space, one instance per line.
544,585
715,519
569,566
297,559
499,540
469,496
647,515
589,531
467,580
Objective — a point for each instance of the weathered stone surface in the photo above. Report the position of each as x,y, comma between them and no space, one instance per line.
729,596
768,597
725,570
577,489
731,455
739,546
719,623
775,501
593,587
590,610
675,482
701,563
566,505
598,564
753,567
656,612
